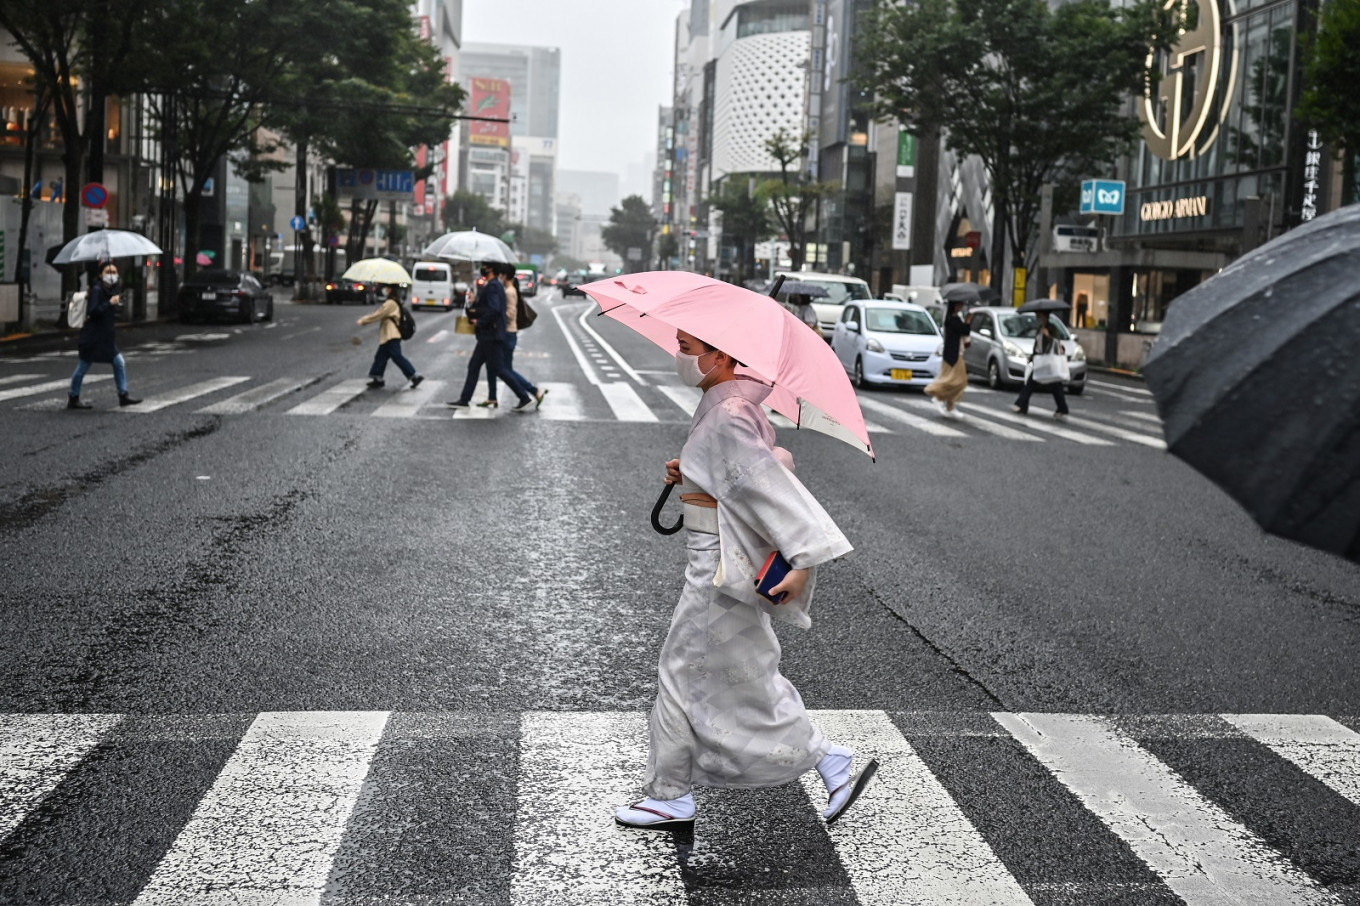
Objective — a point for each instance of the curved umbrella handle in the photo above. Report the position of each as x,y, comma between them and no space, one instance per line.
656,514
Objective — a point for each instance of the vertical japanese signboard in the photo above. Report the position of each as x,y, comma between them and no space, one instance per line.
906,154
490,98
1312,166
901,238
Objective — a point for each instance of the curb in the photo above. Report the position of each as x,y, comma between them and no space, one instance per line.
55,337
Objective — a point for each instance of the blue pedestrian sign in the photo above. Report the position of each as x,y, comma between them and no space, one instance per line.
377,185
1102,196
298,224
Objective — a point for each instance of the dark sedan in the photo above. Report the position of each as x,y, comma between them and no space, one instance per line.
341,290
229,294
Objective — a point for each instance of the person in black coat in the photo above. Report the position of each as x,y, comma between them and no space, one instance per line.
97,342
488,313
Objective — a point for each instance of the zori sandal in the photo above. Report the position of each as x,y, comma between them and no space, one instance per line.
850,790
652,814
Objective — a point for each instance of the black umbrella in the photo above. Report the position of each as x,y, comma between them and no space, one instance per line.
801,288
1045,305
967,293
1256,383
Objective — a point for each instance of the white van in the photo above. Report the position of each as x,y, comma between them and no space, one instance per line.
839,290
433,286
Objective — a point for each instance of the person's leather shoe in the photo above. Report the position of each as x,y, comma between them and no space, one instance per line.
74,402
125,399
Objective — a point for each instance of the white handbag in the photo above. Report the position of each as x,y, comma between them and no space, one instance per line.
1051,367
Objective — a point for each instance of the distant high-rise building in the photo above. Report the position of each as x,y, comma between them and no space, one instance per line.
439,22
535,77
598,191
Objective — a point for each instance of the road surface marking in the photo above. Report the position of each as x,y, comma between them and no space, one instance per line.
979,423
255,397
36,752
907,418
627,405
568,851
267,830
183,395
687,398
327,401
64,383
906,842
1319,745
407,402
1126,397
439,335
1145,416
613,353
16,378
588,371
562,404
1040,423
1122,388
1146,440
1193,845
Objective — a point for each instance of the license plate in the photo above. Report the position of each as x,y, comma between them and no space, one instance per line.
208,296
900,374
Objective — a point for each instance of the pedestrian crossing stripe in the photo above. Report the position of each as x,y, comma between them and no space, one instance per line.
270,825
621,400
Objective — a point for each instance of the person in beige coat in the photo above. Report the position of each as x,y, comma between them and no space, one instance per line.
389,342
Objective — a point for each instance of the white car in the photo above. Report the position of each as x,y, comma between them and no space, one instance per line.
881,342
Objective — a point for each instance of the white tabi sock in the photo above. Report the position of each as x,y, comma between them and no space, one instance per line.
680,809
835,770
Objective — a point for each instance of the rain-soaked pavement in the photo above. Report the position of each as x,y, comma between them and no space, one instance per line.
279,640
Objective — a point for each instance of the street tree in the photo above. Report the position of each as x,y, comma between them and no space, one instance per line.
667,250
464,210
630,229
1332,69
745,220
1039,93
793,193
531,240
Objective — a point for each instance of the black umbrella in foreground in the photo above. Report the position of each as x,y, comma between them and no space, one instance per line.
1258,388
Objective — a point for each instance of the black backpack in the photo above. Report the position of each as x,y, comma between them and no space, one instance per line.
406,324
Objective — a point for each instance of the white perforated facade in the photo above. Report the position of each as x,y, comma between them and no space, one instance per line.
759,89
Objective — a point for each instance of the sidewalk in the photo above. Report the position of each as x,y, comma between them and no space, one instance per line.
46,339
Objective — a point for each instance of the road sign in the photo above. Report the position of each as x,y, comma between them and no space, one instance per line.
94,195
1102,196
377,185
298,223
96,217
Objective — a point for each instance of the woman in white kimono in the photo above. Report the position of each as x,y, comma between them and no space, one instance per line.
724,715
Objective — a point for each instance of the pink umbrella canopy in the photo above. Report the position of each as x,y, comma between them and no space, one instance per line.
809,385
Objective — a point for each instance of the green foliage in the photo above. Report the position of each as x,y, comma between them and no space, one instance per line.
667,249
1039,93
791,195
464,210
631,226
533,240
1330,104
745,220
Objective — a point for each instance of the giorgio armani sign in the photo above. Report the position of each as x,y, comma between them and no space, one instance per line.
1181,114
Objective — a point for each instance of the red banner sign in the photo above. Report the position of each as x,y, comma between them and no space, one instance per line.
489,97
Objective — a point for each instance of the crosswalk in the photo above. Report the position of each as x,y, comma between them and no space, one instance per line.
312,807
984,414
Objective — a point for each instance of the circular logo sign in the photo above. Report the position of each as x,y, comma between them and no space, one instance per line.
1179,107
94,195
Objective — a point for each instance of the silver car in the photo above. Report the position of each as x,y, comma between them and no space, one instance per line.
1003,339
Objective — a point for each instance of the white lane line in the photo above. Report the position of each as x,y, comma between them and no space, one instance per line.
255,397
1039,423
1193,845
572,768
330,399
1146,440
437,336
267,830
1154,429
1144,416
1128,398
1319,745
613,353
16,378
562,404
36,752
980,423
588,371
627,405
406,403
907,418
906,842
687,398
183,395
30,390
1122,388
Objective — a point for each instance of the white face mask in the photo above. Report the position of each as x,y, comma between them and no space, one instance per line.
687,366
110,279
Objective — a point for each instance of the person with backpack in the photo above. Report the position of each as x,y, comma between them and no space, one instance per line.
395,324
97,342
488,314
518,316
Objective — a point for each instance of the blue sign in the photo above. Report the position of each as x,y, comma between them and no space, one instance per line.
298,224
1102,196
379,185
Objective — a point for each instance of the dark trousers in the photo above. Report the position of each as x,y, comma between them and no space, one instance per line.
1055,388
390,350
490,352
511,341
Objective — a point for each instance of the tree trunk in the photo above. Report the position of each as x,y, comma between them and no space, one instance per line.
304,265
996,263
23,274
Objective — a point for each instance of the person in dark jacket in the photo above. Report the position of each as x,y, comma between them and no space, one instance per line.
488,313
1046,340
97,342
947,388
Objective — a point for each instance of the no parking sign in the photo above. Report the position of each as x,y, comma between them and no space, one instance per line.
94,195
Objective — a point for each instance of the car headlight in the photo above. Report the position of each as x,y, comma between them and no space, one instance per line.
1013,351
1079,354
939,350
873,345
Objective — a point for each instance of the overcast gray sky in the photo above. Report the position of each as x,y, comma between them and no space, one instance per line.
616,69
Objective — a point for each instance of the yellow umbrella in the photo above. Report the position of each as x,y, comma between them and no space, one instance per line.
378,270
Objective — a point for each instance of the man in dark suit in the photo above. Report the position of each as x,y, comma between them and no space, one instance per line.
488,314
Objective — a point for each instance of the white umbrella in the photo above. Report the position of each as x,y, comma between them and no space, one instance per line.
470,245
105,245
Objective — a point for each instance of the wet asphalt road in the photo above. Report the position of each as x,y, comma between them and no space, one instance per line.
193,570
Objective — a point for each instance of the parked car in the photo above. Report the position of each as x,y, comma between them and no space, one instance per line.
223,293
433,286
1003,339
340,290
880,342
840,289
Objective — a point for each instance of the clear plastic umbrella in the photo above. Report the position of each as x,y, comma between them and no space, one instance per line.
104,245
470,245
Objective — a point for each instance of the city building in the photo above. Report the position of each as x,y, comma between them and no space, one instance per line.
441,23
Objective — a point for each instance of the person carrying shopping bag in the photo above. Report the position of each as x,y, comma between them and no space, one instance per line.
506,275
1046,343
388,316
488,313
947,388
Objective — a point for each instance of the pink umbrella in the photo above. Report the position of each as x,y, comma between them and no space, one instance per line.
809,385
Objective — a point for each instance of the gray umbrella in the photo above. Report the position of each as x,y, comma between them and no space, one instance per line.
967,293
1046,305
105,245
1256,383
800,288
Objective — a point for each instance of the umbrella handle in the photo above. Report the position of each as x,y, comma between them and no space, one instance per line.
656,514
778,282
